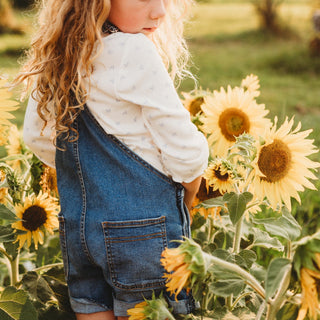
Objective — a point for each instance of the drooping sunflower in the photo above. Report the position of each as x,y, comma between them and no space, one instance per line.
251,84
174,261
228,114
281,167
186,265
155,308
310,302
6,104
37,214
220,175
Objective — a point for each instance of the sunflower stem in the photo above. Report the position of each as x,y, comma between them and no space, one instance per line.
14,270
237,236
48,266
279,298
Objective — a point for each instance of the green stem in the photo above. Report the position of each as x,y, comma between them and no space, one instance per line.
237,236
5,253
279,298
239,298
48,266
15,270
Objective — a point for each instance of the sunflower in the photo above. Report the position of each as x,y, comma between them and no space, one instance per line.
281,167
174,261
186,265
205,192
37,213
3,135
14,146
309,279
228,114
153,309
251,84
193,101
3,190
48,181
220,175
6,105
138,312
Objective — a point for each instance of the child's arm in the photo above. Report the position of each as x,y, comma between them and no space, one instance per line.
191,190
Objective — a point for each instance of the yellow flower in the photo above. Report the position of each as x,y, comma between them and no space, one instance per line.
228,114
219,176
174,262
14,146
6,105
251,84
193,101
3,190
309,294
38,213
206,192
48,180
153,309
281,167
3,135
138,312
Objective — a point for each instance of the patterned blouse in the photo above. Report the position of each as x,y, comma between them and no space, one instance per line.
133,97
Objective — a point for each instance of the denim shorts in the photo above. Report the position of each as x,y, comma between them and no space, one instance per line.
117,216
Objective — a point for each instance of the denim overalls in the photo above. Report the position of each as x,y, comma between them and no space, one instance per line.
118,213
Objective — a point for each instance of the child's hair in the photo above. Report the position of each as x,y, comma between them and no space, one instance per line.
63,51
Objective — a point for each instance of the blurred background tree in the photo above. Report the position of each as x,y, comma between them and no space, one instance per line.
268,12
8,21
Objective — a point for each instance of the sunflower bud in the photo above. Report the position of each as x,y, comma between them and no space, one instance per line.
154,309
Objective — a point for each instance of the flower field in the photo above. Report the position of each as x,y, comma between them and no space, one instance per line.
247,258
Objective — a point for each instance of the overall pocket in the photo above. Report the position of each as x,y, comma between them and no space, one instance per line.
134,250
63,245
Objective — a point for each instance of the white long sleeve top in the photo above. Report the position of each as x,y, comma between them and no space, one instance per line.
133,97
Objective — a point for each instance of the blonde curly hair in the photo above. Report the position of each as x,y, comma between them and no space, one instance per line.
62,53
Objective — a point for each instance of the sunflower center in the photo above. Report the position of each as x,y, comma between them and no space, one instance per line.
34,217
233,122
274,161
195,105
219,176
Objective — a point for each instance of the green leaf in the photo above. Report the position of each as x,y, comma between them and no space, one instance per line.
197,221
237,204
213,202
249,257
276,271
37,286
15,305
6,214
263,239
285,226
288,312
225,288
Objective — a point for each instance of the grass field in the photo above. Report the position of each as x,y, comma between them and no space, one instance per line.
226,45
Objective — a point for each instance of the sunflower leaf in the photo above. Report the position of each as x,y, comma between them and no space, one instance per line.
275,273
210,203
237,204
263,239
285,226
224,288
6,214
15,305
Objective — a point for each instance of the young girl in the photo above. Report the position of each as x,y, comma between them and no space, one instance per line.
104,112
